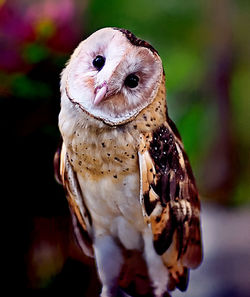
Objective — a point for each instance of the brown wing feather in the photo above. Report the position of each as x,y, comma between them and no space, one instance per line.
170,202
80,216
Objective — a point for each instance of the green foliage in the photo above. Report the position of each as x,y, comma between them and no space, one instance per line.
240,100
28,89
35,52
183,69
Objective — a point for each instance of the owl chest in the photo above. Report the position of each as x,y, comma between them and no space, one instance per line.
106,164
105,154
108,173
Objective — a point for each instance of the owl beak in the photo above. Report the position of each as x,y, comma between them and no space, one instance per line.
100,92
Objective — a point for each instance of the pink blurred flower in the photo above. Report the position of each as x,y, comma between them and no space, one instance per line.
14,31
50,23
60,11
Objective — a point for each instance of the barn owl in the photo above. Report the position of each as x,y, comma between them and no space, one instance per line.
128,181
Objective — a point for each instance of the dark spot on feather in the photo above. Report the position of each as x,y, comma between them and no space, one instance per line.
135,40
117,159
103,144
115,176
149,206
80,163
183,280
108,154
163,240
157,219
135,126
132,156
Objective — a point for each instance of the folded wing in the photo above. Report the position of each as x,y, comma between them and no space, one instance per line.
170,202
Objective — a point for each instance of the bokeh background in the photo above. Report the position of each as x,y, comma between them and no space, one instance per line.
205,48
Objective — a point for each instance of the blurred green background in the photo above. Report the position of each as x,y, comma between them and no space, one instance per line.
205,49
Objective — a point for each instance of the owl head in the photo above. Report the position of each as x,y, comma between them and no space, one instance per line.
112,76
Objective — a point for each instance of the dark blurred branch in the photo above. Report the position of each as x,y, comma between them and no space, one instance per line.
219,172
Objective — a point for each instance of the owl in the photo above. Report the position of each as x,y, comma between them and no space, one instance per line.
128,181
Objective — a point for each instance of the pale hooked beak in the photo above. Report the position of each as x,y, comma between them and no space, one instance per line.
100,92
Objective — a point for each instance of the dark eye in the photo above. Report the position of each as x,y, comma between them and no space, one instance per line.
131,81
99,62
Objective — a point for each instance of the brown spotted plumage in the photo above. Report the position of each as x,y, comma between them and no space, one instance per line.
171,201
127,178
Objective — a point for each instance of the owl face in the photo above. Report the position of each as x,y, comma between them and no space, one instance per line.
112,76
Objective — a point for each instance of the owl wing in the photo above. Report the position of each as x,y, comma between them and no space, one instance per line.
170,201
81,219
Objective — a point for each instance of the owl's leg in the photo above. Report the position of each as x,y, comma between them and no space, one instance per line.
109,261
157,271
